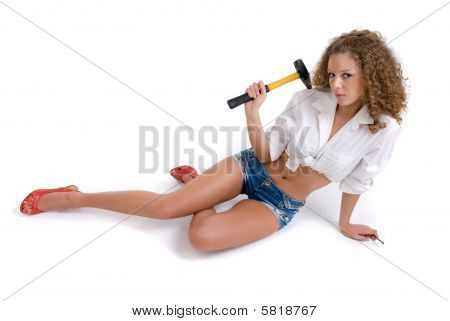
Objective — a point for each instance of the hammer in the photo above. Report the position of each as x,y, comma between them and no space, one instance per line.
301,73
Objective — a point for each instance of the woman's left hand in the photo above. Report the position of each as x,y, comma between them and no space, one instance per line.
358,231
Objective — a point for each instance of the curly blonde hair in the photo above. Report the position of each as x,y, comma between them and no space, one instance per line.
384,90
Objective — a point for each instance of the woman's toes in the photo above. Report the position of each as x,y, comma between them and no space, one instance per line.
187,178
73,188
26,207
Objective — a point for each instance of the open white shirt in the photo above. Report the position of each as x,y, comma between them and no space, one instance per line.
352,157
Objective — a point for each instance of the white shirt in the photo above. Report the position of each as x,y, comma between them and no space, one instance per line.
352,157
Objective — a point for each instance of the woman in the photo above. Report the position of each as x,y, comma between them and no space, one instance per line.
342,130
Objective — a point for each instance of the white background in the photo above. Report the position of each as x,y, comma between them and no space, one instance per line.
65,121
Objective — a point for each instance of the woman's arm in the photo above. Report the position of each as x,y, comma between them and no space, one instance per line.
348,203
355,231
258,138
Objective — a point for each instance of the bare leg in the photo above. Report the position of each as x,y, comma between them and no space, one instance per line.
131,202
125,201
247,221
219,183
122,201
196,217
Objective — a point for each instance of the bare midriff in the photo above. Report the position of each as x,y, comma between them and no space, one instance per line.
304,180
298,184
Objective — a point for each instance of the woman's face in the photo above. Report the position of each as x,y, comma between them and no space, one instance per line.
345,79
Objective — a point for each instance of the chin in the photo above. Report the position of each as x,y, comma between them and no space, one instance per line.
346,102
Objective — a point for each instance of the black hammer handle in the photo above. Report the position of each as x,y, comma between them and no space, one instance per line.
236,101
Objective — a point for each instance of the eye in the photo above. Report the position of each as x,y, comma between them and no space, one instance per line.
347,75
330,75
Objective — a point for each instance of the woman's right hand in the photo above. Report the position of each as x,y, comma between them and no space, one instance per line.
258,92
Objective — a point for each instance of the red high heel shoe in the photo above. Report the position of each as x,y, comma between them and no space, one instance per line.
180,171
33,199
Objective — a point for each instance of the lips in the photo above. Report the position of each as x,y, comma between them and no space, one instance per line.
339,95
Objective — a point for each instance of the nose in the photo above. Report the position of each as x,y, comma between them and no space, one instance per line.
337,83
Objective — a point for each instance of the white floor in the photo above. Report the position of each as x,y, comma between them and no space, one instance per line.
65,121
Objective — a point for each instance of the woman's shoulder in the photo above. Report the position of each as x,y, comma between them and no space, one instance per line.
387,134
391,123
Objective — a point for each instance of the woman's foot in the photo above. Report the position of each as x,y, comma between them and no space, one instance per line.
52,201
187,178
183,173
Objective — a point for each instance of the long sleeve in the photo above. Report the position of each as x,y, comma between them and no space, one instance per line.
361,178
281,132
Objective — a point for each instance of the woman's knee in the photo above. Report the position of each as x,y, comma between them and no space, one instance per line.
202,238
159,209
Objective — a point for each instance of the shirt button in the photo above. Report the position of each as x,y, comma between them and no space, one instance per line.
267,183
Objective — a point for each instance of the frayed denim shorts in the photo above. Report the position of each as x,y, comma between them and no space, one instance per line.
257,185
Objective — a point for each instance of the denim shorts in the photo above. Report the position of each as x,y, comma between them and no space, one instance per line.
257,185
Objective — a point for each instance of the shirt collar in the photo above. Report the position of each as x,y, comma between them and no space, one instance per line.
326,103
